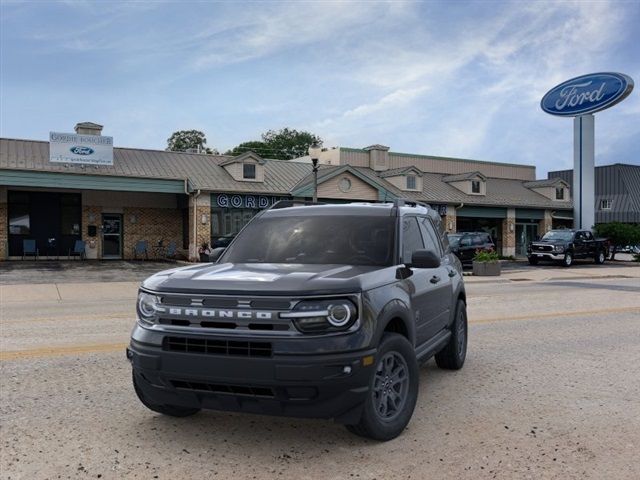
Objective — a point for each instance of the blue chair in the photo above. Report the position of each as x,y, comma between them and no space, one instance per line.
29,248
142,247
172,249
79,250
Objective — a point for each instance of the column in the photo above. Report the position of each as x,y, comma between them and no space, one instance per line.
583,172
509,233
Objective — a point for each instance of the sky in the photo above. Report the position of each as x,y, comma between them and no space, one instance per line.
451,78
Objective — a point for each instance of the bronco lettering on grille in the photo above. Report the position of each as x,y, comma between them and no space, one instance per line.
213,313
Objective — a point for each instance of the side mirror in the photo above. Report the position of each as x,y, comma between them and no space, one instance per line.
216,253
424,259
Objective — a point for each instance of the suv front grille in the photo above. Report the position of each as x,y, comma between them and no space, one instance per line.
248,390
217,347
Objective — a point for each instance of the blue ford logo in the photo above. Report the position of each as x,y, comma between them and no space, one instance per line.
587,94
81,150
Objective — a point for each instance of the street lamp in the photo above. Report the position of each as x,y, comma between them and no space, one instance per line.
314,153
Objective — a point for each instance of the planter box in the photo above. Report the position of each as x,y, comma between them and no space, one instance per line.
486,269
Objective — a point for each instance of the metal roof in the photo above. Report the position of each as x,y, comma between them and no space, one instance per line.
463,176
393,172
203,171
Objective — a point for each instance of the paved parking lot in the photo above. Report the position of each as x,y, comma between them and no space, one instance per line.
550,390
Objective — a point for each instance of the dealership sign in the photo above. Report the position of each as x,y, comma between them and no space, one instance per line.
225,200
587,94
80,149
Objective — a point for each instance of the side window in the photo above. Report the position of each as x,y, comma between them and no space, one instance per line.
478,240
411,238
465,241
429,235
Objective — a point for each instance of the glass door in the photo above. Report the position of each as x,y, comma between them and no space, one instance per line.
525,233
111,235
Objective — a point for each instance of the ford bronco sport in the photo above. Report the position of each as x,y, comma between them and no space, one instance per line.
312,311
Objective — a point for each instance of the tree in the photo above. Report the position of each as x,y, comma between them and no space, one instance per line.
183,140
619,234
283,144
255,146
289,143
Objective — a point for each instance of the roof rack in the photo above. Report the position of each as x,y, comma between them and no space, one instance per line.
401,202
293,203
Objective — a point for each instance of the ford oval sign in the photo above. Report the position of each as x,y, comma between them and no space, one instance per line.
587,94
81,150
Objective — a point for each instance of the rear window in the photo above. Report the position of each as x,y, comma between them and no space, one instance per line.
318,239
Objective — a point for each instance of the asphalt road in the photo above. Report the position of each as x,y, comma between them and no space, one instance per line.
551,389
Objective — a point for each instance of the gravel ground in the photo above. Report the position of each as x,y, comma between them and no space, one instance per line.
550,390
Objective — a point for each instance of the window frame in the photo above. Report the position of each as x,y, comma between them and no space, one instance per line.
606,201
414,180
473,184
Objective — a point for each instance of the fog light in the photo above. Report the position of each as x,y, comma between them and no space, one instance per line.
368,360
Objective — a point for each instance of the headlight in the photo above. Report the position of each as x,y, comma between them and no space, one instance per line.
317,316
559,248
147,307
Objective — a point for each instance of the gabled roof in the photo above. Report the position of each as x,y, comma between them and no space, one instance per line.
548,182
376,146
395,172
249,154
327,172
463,176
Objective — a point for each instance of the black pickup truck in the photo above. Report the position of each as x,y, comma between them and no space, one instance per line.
564,246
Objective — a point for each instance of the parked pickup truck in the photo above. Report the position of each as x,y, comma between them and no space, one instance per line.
564,246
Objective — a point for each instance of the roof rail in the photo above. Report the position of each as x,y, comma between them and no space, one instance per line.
293,203
401,202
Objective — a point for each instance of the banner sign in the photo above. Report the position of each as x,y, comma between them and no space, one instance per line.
80,149
587,94
240,200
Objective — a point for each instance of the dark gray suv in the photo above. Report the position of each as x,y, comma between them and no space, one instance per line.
312,311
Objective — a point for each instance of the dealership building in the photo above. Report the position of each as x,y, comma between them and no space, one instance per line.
114,198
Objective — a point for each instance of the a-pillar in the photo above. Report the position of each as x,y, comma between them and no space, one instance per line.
509,233
199,223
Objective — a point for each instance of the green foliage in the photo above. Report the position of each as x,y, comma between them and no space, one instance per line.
620,234
484,256
283,144
255,146
183,140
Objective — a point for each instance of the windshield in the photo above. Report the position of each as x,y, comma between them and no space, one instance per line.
454,239
318,239
558,235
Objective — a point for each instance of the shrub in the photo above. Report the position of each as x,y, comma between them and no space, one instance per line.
484,256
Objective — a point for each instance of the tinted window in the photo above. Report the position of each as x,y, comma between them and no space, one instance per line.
318,239
558,235
429,235
248,170
411,238
465,241
478,240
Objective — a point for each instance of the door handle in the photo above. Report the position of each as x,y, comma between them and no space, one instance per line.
452,273
435,279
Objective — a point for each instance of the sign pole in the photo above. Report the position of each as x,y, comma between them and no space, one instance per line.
583,172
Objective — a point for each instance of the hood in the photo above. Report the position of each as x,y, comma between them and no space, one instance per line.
268,279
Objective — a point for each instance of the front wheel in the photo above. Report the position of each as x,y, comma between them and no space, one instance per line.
170,410
600,257
453,355
393,391
567,261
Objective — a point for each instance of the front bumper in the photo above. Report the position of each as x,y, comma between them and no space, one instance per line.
328,385
555,256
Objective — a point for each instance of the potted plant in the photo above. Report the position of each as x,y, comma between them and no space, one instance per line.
486,263
204,252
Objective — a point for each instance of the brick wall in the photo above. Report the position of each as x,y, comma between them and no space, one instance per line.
152,225
509,233
91,215
546,223
202,229
450,224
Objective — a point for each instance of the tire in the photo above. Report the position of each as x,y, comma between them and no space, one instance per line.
532,260
385,414
169,410
600,257
567,261
453,355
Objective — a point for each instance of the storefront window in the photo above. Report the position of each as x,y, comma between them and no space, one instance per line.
19,219
70,214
